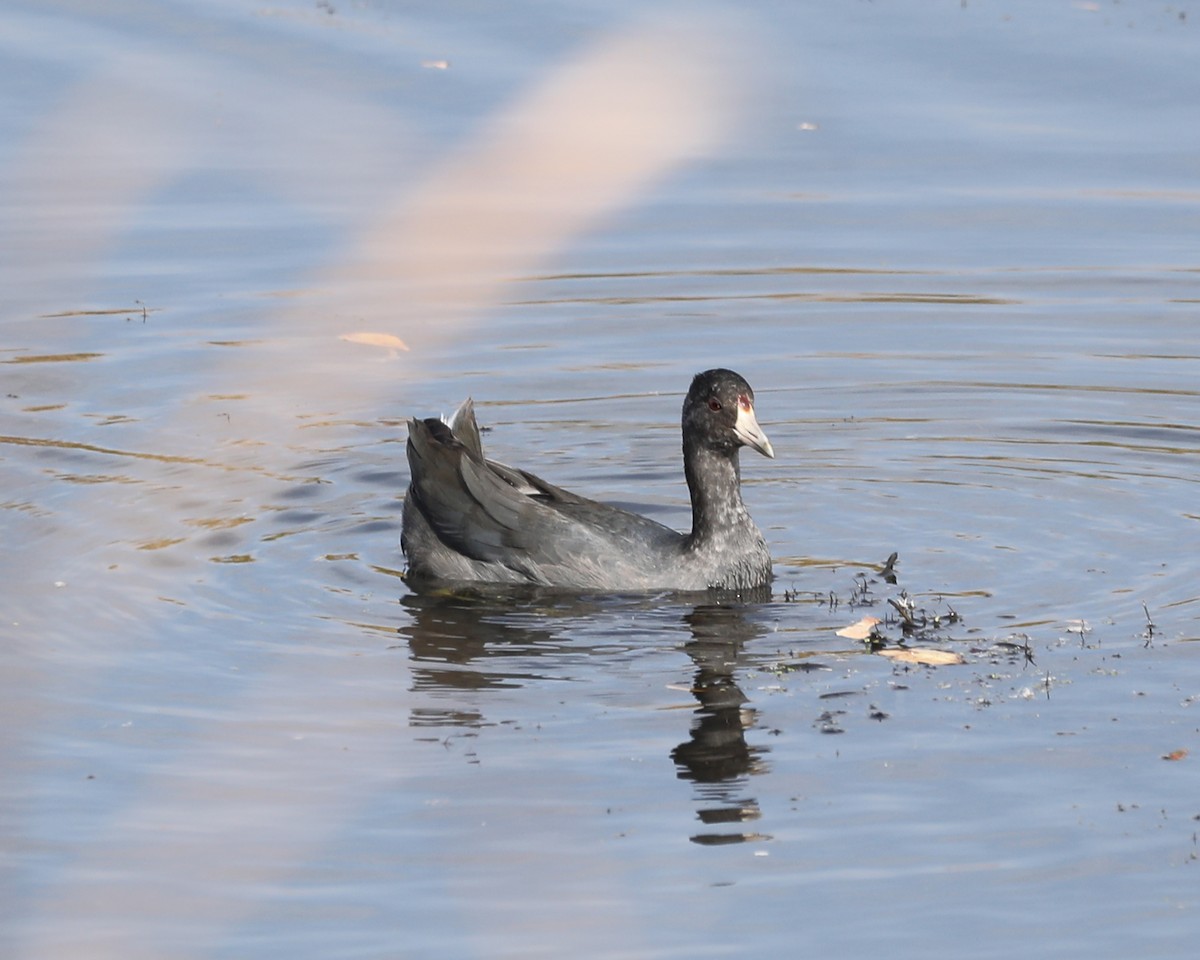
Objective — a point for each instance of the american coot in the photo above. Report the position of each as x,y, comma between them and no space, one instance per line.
469,519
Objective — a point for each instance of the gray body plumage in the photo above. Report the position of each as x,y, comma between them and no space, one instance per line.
468,519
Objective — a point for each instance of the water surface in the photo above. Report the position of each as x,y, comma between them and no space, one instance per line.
953,249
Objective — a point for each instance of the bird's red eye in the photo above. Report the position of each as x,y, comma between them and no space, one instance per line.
714,404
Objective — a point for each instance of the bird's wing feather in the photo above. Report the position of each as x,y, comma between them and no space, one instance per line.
490,512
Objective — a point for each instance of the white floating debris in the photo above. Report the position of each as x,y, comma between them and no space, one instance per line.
861,629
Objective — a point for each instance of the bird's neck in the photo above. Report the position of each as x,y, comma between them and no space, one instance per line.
714,482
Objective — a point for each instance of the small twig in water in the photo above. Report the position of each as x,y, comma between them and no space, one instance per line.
1149,624
862,590
907,610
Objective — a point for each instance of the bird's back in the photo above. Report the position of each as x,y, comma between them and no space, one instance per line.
470,519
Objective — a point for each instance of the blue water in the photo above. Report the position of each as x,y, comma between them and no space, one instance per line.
952,246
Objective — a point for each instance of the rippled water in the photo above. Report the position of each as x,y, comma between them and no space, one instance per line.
953,250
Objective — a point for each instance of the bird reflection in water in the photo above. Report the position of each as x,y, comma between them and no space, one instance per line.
458,643
716,755
452,636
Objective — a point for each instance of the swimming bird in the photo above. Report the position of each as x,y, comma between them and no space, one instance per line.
470,520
